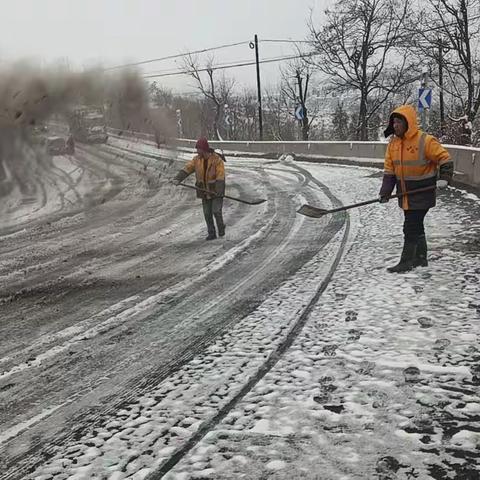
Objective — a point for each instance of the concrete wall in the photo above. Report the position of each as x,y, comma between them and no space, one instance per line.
466,160
325,149
467,165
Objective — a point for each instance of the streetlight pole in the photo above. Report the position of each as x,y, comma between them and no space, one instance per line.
179,123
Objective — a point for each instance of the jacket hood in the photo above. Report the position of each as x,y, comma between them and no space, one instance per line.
410,115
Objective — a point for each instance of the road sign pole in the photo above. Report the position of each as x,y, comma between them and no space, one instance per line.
423,116
440,80
228,121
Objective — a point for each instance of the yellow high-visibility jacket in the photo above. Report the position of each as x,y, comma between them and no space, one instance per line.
209,173
413,162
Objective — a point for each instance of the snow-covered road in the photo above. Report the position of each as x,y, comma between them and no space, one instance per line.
107,295
132,348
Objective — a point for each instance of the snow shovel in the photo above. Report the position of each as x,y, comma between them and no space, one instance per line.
256,201
315,212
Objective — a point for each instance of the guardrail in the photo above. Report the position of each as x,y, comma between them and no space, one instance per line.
131,134
466,159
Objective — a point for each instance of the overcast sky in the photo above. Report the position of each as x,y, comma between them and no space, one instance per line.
118,31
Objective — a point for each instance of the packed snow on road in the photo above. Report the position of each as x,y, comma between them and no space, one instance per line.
133,348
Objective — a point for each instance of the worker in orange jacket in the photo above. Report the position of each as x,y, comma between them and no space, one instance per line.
413,160
209,170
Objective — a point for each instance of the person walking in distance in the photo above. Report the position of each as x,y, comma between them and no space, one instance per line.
413,160
209,170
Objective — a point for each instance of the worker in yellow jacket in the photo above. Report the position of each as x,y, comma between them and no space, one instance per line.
209,170
413,160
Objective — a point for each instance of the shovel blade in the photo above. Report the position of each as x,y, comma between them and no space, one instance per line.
256,201
310,211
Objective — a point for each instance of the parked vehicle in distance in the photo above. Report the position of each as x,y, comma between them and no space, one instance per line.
59,146
87,125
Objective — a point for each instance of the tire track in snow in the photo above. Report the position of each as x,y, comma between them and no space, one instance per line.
177,364
186,359
284,346
271,361
86,331
89,328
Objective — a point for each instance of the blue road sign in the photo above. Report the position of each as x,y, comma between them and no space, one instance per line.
299,113
424,98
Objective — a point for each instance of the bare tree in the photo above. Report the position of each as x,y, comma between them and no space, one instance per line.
296,78
358,50
244,115
278,121
447,33
340,118
217,91
160,96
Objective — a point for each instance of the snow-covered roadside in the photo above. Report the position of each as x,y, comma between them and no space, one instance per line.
467,195
383,382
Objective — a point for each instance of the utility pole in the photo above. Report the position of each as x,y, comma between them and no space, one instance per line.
302,95
440,81
300,99
259,90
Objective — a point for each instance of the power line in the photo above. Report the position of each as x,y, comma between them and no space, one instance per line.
173,71
431,29
441,27
408,36
170,57
195,52
283,41
233,65
219,47
279,59
219,66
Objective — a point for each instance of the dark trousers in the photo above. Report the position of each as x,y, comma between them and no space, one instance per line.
212,207
413,227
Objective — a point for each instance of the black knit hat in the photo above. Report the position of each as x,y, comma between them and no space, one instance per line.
389,130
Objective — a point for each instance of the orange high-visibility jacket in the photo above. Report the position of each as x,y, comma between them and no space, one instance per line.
209,172
414,161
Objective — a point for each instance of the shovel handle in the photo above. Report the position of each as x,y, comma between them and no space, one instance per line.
411,192
376,200
257,201
199,189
